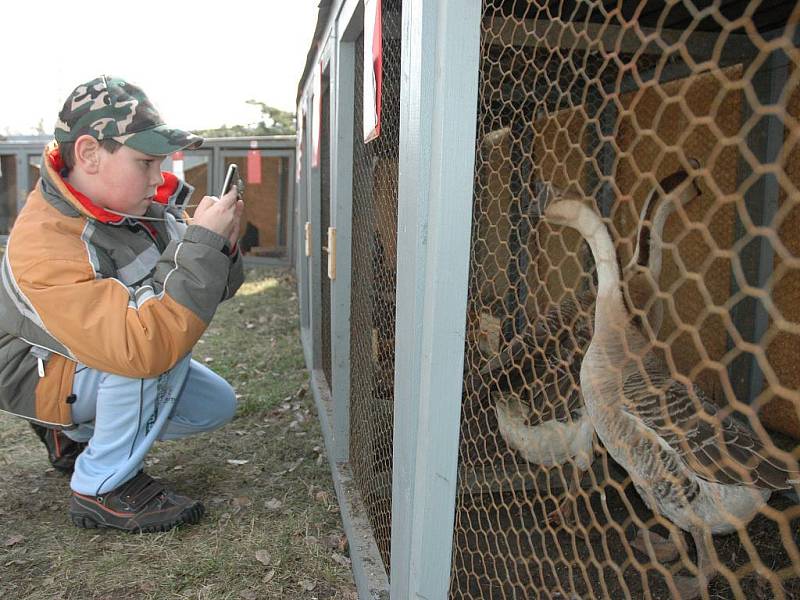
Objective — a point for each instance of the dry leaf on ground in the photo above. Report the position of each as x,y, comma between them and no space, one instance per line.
13,541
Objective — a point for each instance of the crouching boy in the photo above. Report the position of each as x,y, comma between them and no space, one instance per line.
105,291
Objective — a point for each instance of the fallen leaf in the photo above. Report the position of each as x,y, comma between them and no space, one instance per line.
332,540
235,461
322,496
341,560
307,585
177,468
14,540
249,595
273,504
241,502
263,557
269,576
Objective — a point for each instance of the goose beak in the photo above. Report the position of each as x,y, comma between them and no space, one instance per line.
691,188
544,193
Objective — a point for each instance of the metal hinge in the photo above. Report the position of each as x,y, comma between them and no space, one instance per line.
331,250
308,238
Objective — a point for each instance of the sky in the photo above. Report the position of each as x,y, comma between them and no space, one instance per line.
198,62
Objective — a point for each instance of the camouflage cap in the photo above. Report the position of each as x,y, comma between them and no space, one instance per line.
111,108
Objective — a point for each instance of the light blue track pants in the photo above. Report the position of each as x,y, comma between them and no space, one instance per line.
121,418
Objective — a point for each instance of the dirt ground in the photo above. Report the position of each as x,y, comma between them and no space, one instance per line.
272,527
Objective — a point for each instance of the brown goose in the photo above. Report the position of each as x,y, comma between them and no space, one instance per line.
703,470
538,403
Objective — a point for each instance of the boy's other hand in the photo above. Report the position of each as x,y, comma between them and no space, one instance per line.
222,216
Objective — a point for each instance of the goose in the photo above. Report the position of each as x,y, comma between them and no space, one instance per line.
538,403
705,471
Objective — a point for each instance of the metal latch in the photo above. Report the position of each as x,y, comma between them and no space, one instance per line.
308,238
331,250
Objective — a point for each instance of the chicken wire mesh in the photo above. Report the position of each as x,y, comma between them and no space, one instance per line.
374,271
630,417
325,221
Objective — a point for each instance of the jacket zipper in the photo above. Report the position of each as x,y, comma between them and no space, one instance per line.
41,355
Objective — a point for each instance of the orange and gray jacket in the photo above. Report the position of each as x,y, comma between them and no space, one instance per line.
121,295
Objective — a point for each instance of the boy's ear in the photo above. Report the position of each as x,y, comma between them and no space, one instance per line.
87,154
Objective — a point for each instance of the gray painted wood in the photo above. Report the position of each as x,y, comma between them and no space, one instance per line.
342,93
436,171
765,140
315,260
305,261
302,262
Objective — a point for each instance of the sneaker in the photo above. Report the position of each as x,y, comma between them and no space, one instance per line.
141,505
61,450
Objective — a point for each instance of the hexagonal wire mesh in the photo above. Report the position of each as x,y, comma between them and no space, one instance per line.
667,132
325,221
374,271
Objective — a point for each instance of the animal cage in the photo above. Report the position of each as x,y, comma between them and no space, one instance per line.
565,332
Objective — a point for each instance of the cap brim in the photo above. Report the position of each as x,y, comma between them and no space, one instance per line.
161,140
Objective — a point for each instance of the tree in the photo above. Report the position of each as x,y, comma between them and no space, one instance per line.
274,121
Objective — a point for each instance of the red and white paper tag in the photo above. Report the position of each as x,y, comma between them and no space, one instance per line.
177,164
254,163
372,69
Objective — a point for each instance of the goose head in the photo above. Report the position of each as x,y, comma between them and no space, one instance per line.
644,268
672,191
512,405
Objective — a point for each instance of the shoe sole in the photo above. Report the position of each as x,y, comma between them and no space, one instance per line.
188,516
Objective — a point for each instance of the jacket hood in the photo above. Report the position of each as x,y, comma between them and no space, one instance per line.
172,192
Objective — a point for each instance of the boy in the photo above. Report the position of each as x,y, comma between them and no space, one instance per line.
104,293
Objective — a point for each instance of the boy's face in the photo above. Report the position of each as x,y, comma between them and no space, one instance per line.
127,180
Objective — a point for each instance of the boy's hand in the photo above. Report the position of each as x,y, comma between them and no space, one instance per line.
221,215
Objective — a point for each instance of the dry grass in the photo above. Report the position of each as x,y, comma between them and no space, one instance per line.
272,528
